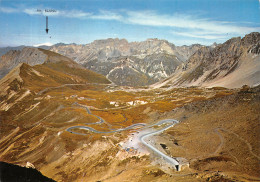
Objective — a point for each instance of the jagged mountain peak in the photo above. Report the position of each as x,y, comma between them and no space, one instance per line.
252,42
252,38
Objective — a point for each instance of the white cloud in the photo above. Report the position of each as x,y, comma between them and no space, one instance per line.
8,10
181,24
189,26
71,14
151,18
31,12
101,15
201,35
107,15
43,44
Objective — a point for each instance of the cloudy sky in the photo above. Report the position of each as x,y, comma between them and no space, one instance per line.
182,22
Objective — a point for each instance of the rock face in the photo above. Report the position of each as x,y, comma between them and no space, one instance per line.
231,64
129,63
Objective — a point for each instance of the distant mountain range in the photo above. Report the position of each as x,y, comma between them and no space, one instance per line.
154,62
124,63
129,63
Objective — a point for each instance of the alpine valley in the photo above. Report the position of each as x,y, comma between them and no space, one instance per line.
114,110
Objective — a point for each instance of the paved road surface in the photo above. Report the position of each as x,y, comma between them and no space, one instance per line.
169,159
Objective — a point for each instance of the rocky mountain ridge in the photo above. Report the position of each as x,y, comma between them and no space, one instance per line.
231,64
122,62
11,59
31,56
113,48
129,63
43,67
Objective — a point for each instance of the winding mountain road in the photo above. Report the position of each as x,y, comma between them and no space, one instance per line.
169,122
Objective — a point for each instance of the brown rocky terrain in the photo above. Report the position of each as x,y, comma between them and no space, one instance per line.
220,135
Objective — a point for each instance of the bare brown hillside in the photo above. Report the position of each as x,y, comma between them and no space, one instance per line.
221,135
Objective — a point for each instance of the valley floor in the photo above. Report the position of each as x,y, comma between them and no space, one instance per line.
217,138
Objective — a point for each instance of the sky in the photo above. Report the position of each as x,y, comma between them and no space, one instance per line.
182,22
